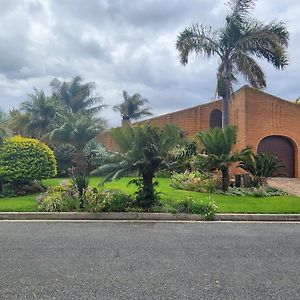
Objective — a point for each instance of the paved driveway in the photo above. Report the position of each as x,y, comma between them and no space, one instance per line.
290,185
63,260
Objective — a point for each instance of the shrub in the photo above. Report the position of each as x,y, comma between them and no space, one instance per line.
63,197
193,181
23,160
262,191
188,205
107,201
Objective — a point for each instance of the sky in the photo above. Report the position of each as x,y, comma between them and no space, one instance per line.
125,45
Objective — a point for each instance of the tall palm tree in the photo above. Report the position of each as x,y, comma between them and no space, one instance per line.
132,108
237,43
77,96
41,111
218,153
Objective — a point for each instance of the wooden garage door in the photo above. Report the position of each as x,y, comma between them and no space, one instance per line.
284,150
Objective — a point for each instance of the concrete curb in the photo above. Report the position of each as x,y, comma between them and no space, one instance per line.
130,216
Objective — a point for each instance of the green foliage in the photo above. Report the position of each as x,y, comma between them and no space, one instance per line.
188,205
23,160
80,183
218,155
107,201
64,154
193,181
3,126
261,166
77,96
133,107
59,198
262,191
143,149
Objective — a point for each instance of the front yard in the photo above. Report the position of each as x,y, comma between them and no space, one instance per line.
226,204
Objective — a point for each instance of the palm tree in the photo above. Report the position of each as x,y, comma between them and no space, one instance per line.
218,154
132,108
77,96
3,126
18,122
143,149
237,44
77,130
41,111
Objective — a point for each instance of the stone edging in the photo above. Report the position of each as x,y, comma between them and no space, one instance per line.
131,216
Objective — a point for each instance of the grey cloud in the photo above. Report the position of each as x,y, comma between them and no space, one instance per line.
124,44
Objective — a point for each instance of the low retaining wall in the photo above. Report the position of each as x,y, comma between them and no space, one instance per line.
144,216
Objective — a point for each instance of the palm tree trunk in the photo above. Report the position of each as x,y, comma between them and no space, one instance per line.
225,103
225,178
81,163
148,191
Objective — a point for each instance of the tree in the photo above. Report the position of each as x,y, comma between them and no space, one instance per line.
236,44
17,122
143,149
132,108
218,151
40,111
3,126
77,130
261,166
77,96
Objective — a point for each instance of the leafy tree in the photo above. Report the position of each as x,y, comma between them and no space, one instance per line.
143,149
77,130
41,111
132,108
77,96
261,166
236,44
218,151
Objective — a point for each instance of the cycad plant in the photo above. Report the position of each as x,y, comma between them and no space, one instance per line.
237,43
77,130
143,149
218,151
261,166
3,126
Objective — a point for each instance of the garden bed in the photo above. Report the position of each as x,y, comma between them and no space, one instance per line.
226,204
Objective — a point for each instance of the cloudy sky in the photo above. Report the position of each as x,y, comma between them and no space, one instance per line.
124,44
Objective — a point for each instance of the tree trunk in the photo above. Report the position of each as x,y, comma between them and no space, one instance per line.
81,163
148,192
225,178
225,111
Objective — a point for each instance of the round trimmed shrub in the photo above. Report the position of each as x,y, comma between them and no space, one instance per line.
24,160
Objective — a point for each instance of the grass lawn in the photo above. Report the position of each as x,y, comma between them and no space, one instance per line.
226,204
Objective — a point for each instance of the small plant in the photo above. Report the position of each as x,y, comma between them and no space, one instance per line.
59,198
261,166
80,183
262,191
107,201
188,205
193,181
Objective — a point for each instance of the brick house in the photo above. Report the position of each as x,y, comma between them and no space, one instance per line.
265,122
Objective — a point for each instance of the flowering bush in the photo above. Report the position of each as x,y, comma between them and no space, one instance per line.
63,197
193,181
188,205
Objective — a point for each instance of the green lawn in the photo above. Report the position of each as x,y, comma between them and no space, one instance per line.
226,204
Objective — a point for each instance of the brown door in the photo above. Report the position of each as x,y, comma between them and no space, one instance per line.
284,150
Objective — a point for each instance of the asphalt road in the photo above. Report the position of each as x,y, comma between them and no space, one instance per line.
61,260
